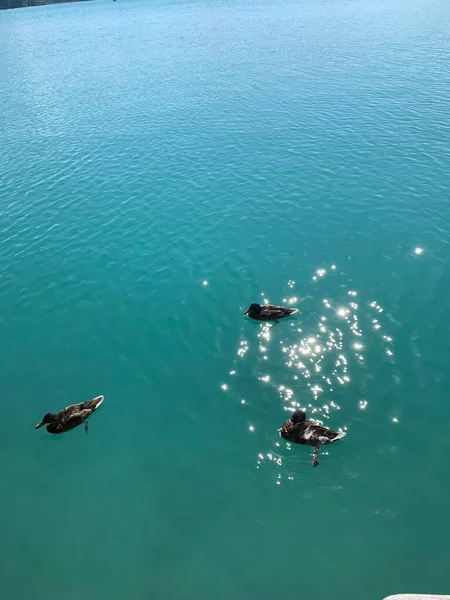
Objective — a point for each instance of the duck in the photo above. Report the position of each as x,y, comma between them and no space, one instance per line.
300,430
269,312
70,417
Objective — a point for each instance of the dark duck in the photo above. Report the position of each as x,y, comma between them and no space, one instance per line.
269,312
70,417
300,430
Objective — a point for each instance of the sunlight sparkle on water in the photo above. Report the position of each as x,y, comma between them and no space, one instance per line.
315,389
322,354
418,251
243,349
265,332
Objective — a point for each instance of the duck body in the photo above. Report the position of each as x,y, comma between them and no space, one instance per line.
269,312
299,430
70,417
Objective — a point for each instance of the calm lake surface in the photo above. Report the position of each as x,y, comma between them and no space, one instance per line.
162,166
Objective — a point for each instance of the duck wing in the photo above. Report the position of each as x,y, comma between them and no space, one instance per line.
315,434
75,419
277,312
79,412
309,433
90,405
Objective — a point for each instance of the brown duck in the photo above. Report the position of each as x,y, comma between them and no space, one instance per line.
70,417
269,312
299,430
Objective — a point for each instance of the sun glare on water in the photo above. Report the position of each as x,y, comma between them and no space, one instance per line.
308,361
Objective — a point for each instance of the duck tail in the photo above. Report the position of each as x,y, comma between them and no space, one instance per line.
340,435
100,399
95,403
294,311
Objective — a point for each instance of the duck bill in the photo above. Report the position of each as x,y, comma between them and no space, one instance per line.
39,425
246,312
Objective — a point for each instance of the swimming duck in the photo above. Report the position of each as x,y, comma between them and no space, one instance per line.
269,312
299,430
70,417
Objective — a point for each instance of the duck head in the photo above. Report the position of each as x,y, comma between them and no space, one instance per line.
253,309
46,420
298,417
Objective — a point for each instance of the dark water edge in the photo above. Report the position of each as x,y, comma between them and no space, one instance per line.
6,4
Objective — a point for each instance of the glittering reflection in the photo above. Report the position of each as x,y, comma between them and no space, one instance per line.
243,349
270,456
265,332
322,355
308,362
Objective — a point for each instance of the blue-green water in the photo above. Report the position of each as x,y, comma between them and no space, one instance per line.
162,165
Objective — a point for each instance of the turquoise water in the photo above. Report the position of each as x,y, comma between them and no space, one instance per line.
162,165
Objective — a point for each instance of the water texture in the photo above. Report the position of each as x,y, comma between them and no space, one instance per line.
162,166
